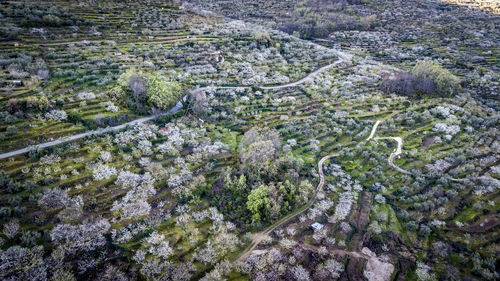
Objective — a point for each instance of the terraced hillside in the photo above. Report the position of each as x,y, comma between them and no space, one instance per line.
215,140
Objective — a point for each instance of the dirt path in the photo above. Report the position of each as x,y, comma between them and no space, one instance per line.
307,78
398,151
174,109
374,129
363,219
340,252
257,237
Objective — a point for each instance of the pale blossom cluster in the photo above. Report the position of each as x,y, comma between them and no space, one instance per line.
141,131
446,111
110,106
83,237
196,70
220,269
380,198
102,171
126,233
85,95
105,156
446,128
134,204
157,246
424,273
346,198
56,115
439,166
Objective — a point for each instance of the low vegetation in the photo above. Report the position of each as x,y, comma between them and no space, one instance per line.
249,140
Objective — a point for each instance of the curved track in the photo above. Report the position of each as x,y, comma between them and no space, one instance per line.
397,152
257,238
307,78
174,109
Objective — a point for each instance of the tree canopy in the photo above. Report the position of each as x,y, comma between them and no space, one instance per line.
447,83
258,201
258,147
162,93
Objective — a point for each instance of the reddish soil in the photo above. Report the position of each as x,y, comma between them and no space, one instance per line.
427,141
363,218
484,224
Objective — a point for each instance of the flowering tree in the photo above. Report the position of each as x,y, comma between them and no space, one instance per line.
300,273
56,115
102,171
134,203
258,148
84,237
10,229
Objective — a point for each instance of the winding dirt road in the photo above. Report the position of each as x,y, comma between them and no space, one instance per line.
374,129
257,237
307,78
174,109
397,152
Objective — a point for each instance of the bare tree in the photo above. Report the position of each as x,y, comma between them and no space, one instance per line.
10,229
138,87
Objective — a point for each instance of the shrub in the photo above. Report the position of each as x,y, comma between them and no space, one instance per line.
162,93
424,230
76,119
35,152
10,229
12,105
15,201
4,178
35,104
5,212
8,118
447,84
34,197
29,238
19,211
51,20
408,85
13,186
